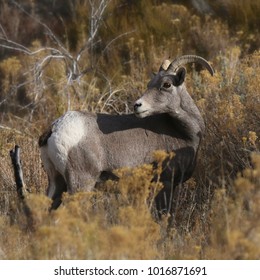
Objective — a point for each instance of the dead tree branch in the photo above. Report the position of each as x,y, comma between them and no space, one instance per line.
74,70
75,65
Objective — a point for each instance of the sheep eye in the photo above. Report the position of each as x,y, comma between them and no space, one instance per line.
166,85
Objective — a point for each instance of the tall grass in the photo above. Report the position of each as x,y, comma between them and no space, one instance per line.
216,212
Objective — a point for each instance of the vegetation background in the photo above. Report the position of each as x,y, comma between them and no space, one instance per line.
97,56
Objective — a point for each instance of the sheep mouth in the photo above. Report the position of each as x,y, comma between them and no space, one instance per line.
138,113
141,114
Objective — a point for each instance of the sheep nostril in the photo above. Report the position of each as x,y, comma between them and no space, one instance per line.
137,105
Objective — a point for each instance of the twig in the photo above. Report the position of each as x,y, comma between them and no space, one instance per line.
116,38
46,27
9,128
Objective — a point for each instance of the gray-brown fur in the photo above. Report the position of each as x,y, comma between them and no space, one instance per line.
166,118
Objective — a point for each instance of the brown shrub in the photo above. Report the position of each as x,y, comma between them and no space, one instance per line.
216,213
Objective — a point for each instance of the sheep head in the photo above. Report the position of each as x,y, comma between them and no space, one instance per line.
165,90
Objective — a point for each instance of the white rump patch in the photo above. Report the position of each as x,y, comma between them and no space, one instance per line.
67,131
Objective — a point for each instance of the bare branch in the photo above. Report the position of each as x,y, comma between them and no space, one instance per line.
43,56
97,9
46,27
96,17
21,48
3,31
15,46
116,38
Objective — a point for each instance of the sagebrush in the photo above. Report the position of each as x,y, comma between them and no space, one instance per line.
216,213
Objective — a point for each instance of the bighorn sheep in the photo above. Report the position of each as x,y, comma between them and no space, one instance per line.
81,148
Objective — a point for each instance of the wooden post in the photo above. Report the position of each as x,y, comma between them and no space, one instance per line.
18,173
20,186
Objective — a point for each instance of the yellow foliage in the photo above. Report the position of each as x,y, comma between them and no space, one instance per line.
216,213
11,67
235,225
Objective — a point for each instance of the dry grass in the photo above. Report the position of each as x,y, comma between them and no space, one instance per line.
216,213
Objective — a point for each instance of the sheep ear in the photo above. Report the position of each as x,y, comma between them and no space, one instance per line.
180,76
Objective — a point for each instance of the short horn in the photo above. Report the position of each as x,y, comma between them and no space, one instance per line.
165,65
190,59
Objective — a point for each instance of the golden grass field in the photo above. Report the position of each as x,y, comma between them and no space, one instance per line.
216,213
